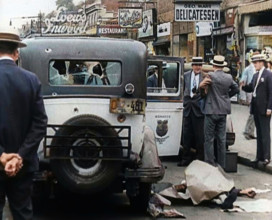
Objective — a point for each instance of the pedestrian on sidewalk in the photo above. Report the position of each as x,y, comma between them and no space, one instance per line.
221,87
246,79
193,118
22,126
261,106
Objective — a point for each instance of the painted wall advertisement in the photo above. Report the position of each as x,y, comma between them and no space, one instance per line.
67,22
130,17
197,12
148,28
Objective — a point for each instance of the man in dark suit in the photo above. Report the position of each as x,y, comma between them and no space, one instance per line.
193,118
152,79
217,105
22,126
261,106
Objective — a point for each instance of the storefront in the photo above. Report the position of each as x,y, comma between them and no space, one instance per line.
256,32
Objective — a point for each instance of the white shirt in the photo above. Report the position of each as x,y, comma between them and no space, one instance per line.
196,78
259,77
6,58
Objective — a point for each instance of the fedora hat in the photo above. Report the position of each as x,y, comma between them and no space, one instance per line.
219,60
258,57
197,61
10,35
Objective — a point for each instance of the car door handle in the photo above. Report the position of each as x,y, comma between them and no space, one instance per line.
180,108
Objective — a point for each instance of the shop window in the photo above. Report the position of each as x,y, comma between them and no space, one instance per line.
261,19
84,72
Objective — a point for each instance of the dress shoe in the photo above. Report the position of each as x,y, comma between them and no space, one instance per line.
252,136
254,163
266,161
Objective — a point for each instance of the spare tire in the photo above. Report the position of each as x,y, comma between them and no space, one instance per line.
81,175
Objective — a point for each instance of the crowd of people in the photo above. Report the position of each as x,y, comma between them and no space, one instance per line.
207,103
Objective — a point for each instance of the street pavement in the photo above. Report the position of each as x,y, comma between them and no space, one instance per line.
117,206
246,148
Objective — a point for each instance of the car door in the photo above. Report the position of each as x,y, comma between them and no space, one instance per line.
164,102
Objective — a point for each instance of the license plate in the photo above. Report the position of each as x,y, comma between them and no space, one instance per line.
127,106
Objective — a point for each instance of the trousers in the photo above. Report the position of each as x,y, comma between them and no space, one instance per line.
18,191
215,127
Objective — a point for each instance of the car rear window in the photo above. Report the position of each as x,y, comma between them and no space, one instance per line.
84,72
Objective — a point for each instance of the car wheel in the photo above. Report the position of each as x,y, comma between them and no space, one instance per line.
86,175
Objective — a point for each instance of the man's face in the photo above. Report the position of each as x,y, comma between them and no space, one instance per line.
197,68
258,65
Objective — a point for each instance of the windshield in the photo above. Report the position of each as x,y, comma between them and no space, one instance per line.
84,72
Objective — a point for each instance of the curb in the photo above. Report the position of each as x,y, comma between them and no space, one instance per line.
246,162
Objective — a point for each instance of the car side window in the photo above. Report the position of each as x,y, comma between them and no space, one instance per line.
165,82
84,72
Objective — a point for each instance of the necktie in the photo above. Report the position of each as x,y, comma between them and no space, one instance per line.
257,82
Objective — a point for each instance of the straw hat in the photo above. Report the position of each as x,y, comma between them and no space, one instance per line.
258,57
219,60
197,61
8,34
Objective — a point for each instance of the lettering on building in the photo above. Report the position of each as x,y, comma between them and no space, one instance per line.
66,22
197,12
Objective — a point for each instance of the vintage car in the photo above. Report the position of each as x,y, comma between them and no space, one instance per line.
95,99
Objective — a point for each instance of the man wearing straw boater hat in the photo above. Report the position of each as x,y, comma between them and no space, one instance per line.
193,118
22,126
217,105
261,106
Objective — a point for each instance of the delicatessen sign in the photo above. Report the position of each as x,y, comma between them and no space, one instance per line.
197,12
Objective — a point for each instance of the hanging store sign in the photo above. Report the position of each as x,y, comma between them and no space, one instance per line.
197,12
67,22
111,30
204,29
148,28
130,17
164,29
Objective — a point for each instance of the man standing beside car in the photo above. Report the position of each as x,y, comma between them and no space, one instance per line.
261,107
193,118
221,88
22,126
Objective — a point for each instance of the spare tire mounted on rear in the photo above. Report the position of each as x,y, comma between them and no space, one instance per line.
86,175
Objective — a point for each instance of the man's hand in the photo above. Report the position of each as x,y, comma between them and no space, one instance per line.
13,166
206,81
7,157
242,83
268,112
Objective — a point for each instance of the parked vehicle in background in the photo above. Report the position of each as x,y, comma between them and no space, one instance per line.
95,99
165,103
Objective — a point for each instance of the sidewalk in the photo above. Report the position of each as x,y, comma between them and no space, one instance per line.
246,148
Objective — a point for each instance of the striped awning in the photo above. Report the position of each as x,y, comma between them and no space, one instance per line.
254,7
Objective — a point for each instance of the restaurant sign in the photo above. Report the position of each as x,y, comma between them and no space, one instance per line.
67,22
197,12
108,30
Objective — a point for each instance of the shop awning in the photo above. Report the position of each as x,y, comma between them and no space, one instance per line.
254,7
161,41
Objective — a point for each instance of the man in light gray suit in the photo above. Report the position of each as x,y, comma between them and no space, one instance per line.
217,105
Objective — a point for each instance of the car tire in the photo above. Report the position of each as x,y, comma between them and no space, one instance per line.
86,176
